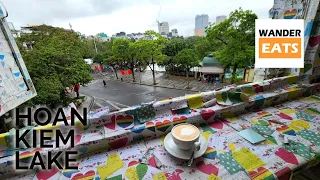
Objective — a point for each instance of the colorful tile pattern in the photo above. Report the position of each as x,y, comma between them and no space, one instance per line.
121,133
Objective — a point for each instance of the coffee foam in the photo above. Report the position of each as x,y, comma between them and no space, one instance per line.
186,132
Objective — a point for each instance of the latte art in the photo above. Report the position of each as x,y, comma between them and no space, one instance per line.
186,132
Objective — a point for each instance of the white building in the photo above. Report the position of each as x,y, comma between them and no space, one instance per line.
174,33
88,61
219,19
28,29
163,28
136,36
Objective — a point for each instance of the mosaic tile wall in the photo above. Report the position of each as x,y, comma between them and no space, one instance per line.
13,72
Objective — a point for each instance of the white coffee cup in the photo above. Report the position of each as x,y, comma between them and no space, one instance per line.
186,136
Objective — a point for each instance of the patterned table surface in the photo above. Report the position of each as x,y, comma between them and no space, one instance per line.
228,155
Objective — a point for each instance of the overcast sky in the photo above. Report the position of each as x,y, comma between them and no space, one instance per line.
111,16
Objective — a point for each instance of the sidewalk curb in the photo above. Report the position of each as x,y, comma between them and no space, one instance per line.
91,103
156,85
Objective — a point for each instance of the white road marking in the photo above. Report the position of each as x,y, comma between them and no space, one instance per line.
112,103
99,104
145,93
119,103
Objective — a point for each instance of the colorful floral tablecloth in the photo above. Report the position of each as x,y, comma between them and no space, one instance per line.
128,144
228,155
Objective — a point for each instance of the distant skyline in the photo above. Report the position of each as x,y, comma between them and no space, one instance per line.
91,17
201,22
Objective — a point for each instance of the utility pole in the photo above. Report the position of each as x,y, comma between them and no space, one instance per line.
157,20
70,27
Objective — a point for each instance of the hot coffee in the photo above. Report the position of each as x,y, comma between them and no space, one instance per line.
186,132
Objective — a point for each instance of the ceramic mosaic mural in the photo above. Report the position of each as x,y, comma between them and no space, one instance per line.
15,83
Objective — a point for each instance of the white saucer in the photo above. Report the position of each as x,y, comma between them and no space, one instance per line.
175,151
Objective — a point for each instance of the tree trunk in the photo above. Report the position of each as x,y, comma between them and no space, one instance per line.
115,71
233,77
188,78
154,77
132,69
134,79
140,73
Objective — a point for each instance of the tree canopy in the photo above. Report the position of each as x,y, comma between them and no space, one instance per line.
124,50
187,59
237,39
150,50
173,47
54,63
191,41
204,47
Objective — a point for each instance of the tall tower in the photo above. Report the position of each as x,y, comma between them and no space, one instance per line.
201,22
220,19
163,28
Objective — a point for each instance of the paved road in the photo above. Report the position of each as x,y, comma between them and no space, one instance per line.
119,95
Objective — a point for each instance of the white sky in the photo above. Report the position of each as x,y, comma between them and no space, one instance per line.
131,16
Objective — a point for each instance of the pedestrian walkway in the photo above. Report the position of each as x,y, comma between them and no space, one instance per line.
169,81
87,103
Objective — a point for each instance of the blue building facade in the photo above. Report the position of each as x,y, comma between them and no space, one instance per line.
201,22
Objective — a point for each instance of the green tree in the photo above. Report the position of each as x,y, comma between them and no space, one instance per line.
237,39
204,47
113,62
54,62
132,39
99,57
187,59
172,48
88,49
150,48
124,51
191,41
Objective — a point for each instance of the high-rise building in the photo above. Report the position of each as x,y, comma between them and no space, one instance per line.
163,28
219,19
174,32
201,22
198,32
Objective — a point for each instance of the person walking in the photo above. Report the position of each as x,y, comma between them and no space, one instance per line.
76,89
104,83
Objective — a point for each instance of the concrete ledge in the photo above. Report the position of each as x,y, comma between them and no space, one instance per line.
87,98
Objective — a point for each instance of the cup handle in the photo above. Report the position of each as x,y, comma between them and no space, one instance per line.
197,145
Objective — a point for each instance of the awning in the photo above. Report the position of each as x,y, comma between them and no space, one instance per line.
211,70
